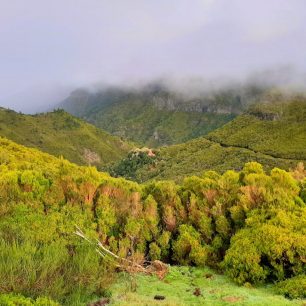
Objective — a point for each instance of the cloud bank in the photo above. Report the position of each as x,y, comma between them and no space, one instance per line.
52,46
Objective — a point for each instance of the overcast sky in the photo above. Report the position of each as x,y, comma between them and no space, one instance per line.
48,47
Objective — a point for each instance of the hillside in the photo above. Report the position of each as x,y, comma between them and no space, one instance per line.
59,133
272,133
155,115
276,128
53,212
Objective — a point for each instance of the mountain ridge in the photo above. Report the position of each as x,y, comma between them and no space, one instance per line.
155,115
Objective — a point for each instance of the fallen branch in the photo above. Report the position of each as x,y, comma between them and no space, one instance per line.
153,267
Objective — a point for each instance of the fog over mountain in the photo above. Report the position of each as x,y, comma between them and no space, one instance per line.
49,48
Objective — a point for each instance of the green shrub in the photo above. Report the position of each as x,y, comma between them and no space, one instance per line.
163,242
253,222
242,261
19,300
293,288
267,251
154,251
57,270
187,249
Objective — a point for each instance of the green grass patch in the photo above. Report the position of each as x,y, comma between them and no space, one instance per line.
180,285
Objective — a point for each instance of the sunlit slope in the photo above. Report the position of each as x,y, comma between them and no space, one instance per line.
61,134
277,129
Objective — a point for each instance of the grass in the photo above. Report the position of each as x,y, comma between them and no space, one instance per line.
180,284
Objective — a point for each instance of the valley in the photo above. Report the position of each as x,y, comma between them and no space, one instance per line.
155,115
199,207
152,153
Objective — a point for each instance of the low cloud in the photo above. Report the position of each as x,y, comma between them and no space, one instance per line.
203,43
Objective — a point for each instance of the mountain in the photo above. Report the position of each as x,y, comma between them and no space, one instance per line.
272,132
155,115
59,133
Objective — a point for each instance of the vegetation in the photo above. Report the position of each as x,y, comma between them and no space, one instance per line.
18,300
273,134
294,287
191,286
249,224
154,115
135,160
61,134
276,128
145,124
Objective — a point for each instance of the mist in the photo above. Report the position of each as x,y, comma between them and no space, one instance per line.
285,79
49,48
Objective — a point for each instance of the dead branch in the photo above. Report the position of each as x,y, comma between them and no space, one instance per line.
153,267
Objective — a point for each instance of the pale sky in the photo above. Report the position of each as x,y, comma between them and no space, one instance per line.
48,47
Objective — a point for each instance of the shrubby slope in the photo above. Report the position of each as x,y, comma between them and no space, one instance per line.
250,224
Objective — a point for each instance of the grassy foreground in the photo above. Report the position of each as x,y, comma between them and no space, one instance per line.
180,285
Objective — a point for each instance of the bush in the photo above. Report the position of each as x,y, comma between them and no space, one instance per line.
187,249
293,288
19,300
267,251
252,221
242,261
155,251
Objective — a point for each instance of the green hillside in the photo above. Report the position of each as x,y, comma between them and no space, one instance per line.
59,133
273,134
145,124
157,116
248,225
277,129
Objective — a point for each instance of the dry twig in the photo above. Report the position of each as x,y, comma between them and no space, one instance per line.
153,267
